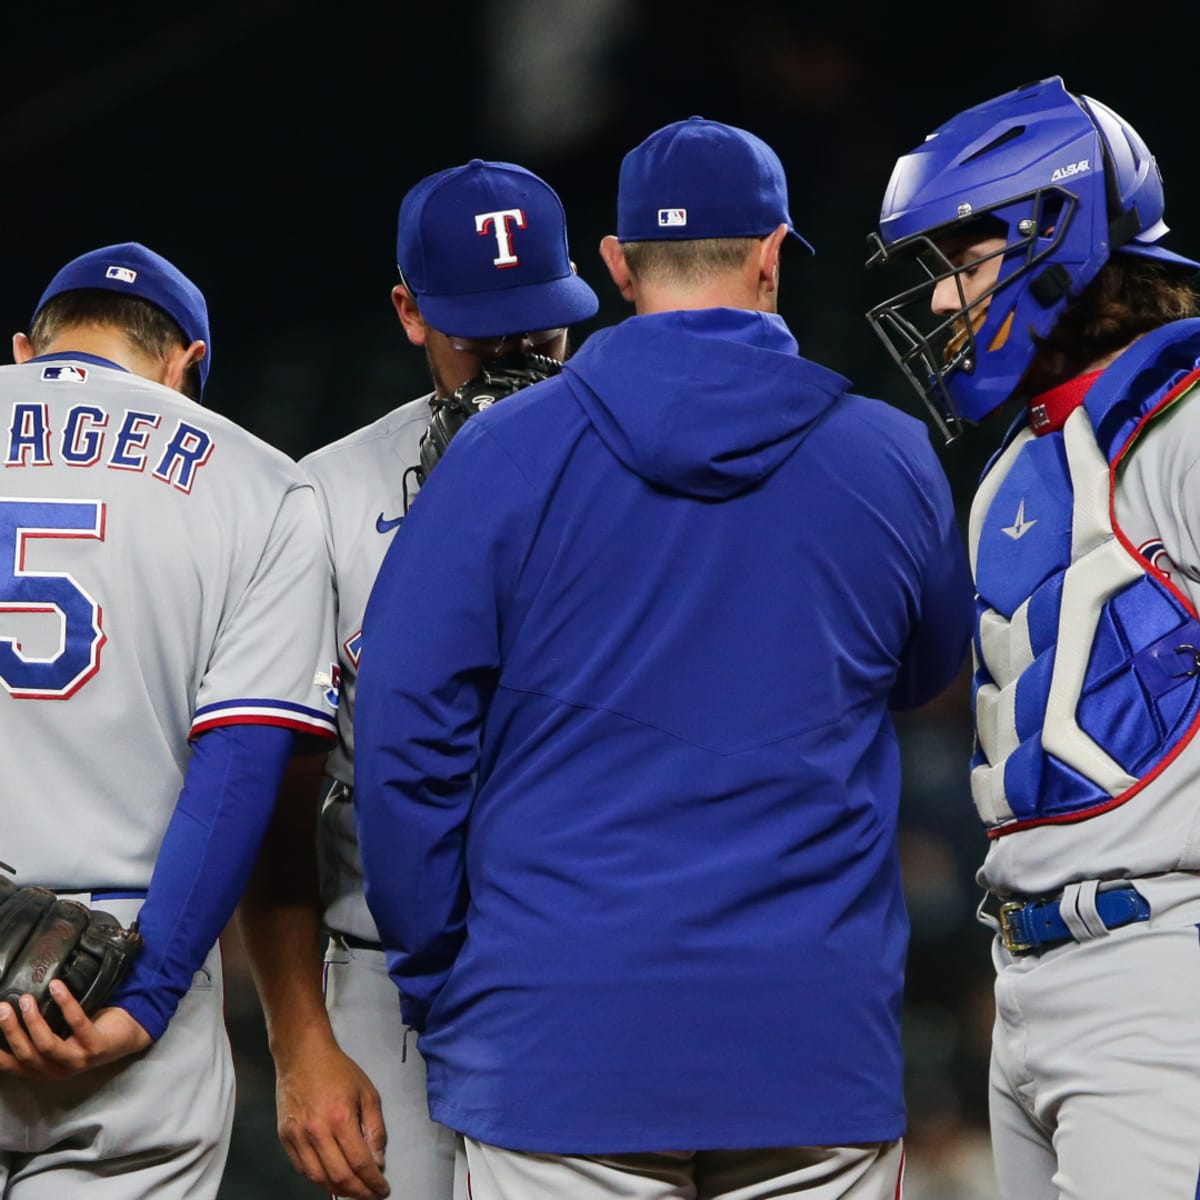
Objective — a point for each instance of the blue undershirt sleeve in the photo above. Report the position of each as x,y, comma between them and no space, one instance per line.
206,856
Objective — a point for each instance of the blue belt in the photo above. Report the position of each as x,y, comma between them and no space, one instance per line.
1028,925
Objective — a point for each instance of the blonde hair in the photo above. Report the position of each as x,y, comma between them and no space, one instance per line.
686,261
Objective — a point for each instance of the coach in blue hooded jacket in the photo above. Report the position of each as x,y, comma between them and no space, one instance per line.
627,779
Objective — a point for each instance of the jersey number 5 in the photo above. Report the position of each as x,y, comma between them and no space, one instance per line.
62,673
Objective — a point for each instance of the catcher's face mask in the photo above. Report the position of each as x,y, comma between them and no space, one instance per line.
930,328
1070,182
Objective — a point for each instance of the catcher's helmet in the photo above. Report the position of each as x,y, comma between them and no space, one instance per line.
1065,181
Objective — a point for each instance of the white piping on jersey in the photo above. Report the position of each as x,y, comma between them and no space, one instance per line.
264,714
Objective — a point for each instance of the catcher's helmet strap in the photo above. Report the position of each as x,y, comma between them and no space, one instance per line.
1054,282
1124,228
1051,285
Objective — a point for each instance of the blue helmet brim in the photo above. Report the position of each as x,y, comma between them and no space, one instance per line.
1159,254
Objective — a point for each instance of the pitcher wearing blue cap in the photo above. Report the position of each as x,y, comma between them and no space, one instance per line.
486,284
166,630
1038,216
626,772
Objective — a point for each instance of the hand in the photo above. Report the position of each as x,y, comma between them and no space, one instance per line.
37,1052
331,1123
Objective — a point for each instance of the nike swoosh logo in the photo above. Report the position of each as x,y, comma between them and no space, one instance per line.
387,526
1017,530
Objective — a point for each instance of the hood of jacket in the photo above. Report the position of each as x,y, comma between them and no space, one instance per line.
704,402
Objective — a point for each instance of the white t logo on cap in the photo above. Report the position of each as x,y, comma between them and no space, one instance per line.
498,223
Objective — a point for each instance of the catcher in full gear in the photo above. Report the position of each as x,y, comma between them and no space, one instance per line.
1037,219
487,290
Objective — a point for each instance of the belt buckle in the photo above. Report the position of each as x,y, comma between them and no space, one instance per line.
1007,932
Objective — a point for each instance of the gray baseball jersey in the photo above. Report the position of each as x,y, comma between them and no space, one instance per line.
162,573
364,483
361,482
157,578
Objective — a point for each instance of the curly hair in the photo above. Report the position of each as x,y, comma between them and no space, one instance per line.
1130,296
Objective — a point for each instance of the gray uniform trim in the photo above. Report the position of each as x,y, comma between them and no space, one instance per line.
360,482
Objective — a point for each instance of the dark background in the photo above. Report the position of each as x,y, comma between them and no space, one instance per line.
265,146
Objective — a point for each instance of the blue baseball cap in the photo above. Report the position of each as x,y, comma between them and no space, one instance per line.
483,248
133,270
701,179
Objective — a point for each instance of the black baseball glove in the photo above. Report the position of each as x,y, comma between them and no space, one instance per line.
495,380
43,938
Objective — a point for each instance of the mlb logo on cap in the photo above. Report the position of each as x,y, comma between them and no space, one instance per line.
130,268
718,181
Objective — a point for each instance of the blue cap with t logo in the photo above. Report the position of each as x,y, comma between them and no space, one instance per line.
483,249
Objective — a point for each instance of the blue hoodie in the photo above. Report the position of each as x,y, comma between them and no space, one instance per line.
626,775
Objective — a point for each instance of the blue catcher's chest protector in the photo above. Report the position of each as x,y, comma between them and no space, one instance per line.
1086,679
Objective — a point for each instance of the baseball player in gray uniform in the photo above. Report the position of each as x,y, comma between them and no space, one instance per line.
166,634
1039,217
485,273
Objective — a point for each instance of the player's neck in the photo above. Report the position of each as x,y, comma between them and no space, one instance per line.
732,290
100,341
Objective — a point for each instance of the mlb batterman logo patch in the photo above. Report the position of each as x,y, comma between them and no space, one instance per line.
672,217
123,274
65,374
